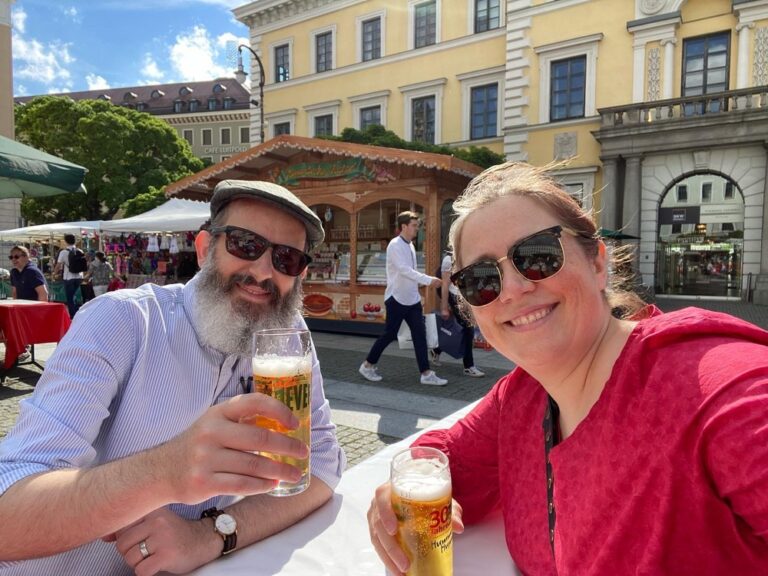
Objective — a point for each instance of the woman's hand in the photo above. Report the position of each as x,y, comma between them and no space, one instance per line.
382,526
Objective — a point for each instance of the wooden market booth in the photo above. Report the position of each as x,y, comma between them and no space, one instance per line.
357,191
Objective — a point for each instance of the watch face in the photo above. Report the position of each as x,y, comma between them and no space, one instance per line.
226,524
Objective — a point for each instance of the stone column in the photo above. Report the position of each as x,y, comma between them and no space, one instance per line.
609,200
6,71
667,89
742,57
630,222
760,295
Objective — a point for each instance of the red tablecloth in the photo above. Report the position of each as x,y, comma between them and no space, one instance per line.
26,322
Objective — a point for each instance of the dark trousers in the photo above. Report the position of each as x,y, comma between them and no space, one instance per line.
70,289
396,314
466,328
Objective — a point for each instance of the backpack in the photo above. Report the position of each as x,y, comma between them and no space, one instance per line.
77,262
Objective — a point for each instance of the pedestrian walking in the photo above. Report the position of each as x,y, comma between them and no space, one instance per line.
449,305
99,273
403,301
71,264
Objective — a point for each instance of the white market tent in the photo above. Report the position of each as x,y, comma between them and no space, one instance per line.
51,231
176,215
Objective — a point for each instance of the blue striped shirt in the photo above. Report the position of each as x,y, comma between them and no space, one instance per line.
130,374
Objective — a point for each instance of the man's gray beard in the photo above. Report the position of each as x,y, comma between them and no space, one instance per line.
226,322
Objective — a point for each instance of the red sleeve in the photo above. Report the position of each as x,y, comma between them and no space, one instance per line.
734,439
472,448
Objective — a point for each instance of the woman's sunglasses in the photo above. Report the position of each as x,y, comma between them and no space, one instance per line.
535,257
248,245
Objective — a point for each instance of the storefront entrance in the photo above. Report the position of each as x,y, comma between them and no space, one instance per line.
700,237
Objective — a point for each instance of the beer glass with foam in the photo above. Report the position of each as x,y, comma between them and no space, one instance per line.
421,499
282,369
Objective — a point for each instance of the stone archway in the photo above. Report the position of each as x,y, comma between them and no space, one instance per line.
744,166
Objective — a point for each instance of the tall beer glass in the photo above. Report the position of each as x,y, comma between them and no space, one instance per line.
421,499
282,369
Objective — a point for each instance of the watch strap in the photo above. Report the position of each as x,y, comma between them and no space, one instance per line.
230,540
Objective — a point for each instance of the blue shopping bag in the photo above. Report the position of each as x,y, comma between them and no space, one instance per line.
450,335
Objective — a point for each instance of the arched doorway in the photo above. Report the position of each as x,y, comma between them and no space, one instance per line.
700,237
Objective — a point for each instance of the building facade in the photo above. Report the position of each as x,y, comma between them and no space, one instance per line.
430,71
213,116
661,107
10,209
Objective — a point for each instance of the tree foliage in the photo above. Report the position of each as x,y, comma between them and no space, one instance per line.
377,135
127,153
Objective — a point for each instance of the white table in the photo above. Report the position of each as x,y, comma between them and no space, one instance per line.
334,540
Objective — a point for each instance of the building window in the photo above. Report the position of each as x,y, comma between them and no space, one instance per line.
178,106
212,103
371,39
423,119
728,194
228,102
185,91
157,94
567,88
194,105
324,51
207,137
282,60
728,227
483,110
225,158
219,88
705,70
245,135
141,106
677,227
682,193
487,15
706,192
370,116
425,24
189,137
281,128
324,125
226,136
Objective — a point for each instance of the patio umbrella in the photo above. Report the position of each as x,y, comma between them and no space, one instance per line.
616,234
26,172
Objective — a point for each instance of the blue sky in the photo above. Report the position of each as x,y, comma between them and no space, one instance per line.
72,45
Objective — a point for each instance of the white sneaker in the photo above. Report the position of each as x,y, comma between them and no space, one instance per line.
432,379
434,357
369,373
474,372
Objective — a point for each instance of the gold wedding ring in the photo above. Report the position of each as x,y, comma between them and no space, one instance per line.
145,553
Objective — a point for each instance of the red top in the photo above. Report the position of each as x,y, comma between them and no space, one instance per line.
667,474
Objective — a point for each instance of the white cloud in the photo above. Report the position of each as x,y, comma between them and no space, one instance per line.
151,71
96,82
21,90
72,13
194,56
44,63
19,20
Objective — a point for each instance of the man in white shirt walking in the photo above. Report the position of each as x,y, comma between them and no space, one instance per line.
403,302
72,280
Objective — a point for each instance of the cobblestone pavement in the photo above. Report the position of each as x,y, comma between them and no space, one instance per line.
361,444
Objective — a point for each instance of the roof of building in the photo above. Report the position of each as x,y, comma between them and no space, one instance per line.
282,148
159,99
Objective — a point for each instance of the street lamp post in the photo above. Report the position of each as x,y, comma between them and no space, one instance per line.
240,75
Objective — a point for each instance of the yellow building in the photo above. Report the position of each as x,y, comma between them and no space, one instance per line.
662,107
429,70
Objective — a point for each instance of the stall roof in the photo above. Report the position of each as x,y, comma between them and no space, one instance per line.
53,230
176,215
279,150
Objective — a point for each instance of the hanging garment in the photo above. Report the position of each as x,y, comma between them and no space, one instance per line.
153,245
174,247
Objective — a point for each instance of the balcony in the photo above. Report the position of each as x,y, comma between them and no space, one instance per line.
735,117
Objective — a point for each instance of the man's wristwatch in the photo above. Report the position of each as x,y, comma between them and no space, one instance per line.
225,526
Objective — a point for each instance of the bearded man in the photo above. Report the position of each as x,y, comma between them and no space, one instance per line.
130,447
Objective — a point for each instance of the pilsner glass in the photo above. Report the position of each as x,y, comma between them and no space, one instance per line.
421,499
282,369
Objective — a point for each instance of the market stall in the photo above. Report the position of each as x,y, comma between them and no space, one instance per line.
357,191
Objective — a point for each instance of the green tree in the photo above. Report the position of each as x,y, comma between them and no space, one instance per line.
127,153
143,202
377,135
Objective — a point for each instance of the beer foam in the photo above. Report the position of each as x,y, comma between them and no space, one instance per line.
275,366
422,480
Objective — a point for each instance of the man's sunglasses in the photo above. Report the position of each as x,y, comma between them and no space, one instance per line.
248,245
535,257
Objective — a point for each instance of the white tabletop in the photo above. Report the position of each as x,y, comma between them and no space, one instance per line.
334,540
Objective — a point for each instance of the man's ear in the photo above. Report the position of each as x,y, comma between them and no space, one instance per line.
202,245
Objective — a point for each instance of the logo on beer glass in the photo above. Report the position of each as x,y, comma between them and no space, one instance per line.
421,499
282,369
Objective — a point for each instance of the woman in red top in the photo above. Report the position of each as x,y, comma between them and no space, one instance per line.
634,445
